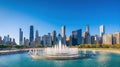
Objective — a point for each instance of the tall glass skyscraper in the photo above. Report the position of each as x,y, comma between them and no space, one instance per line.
102,30
54,38
37,37
86,36
31,33
37,34
87,29
77,37
20,36
0,40
63,34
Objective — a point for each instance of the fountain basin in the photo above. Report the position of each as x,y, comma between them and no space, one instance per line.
57,52
59,57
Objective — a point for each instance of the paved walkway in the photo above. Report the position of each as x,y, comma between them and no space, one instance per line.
4,52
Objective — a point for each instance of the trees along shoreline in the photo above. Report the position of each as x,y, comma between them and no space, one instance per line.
7,46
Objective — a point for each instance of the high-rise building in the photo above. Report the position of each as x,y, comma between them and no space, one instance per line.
31,35
69,41
77,37
20,36
95,39
36,34
46,39
8,38
102,30
82,39
5,40
92,39
26,41
87,29
37,38
43,40
86,36
54,37
14,43
49,39
116,38
10,41
63,30
0,40
107,39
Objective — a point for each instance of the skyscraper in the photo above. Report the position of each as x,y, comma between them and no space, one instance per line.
36,34
87,29
107,39
77,37
5,40
96,39
37,37
49,39
54,37
86,36
14,43
0,40
92,39
8,39
69,40
102,30
20,36
24,41
116,38
31,33
46,39
63,34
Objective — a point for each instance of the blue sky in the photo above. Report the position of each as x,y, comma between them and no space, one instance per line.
49,15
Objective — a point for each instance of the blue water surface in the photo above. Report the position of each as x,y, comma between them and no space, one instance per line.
24,60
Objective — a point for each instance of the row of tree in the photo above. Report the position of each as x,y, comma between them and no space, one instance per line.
98,46
5,46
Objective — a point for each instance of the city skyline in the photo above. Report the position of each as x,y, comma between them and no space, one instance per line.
21,33
83,37
47,16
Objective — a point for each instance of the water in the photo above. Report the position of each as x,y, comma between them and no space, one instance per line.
60,49
24,60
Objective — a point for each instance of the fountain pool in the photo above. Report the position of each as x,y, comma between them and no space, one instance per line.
58,52
24,60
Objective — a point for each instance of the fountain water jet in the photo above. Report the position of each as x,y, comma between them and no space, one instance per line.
58,52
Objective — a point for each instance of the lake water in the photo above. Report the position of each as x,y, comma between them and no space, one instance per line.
24,60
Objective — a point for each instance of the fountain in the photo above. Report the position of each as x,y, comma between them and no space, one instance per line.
61,50
57,52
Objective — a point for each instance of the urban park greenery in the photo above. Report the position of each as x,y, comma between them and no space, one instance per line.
7,46
98,46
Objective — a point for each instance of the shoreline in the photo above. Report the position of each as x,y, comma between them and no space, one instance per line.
7,52
14,51
108,50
